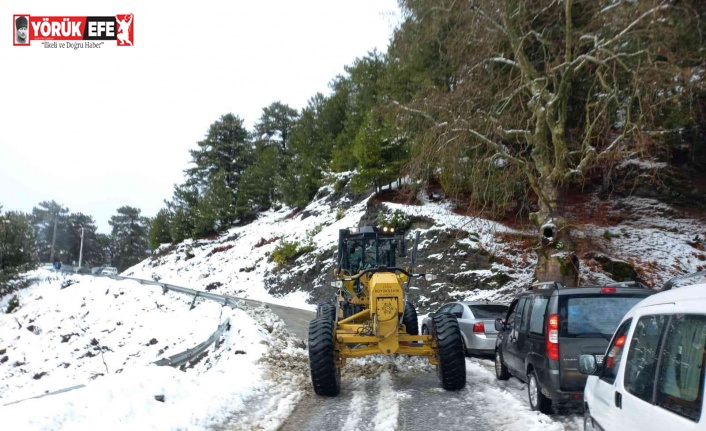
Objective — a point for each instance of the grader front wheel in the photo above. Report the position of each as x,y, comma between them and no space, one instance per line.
326,310
452,358
325,375
409,319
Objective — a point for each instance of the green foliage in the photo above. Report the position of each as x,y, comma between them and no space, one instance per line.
258,185
311,233
12,304
287,251
160,229
216,210
225,149
185,200
340,213
396,219
93,252
66,240
130,236
379,153
276,123
340,184
48,218
17,242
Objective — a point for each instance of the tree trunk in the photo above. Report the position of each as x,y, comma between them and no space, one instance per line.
556,260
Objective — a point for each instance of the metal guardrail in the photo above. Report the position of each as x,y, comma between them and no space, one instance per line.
187,355
47,394
225,300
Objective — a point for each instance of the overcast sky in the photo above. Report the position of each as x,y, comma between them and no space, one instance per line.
96,129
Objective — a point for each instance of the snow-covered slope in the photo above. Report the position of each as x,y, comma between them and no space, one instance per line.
237,262
106,334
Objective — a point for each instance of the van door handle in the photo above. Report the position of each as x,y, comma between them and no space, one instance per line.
618,400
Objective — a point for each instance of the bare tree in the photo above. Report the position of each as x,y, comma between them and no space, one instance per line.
544,91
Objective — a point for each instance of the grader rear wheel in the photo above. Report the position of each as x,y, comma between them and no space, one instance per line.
325,375
452,358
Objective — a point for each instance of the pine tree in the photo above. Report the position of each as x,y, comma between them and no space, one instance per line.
259,186
183,211
130,236
92,254
379,153
216,210
226,149
17,246
160,229
276,124
49,221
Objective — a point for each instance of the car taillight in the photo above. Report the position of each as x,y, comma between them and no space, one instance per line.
553,337
478,327
620,342
608,290
615,351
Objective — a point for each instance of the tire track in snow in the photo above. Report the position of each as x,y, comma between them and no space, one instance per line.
391,394
356,405
388,406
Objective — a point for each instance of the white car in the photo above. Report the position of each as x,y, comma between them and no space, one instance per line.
652,376
109,271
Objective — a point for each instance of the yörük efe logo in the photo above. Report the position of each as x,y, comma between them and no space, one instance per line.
73,31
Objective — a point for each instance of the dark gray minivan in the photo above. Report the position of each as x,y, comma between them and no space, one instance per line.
549,326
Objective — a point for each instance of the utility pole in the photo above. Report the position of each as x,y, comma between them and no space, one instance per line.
80,253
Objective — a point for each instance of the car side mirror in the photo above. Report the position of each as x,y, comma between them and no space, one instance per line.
499,324
588,365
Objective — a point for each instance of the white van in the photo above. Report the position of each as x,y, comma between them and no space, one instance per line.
652,375
109,271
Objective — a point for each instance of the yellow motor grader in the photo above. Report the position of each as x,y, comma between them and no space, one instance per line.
371,314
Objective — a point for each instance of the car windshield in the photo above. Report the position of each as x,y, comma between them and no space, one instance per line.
593,315
488,311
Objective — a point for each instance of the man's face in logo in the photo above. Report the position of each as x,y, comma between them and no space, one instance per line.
22,33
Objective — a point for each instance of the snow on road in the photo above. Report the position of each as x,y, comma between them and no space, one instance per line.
403,393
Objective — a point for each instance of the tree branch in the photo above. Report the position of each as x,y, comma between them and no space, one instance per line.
502,60
663,6
494,145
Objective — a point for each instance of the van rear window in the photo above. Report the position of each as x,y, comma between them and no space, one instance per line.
489,311
593,315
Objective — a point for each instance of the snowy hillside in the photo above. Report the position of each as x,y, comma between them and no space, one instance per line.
473,257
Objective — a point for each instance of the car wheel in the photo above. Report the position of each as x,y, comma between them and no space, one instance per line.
501,372
537,399
588,423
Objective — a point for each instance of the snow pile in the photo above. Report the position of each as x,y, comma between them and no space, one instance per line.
105,334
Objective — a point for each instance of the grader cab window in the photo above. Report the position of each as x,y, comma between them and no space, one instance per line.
369,251
355,255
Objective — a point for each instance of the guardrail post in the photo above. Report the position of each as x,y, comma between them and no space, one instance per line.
193,302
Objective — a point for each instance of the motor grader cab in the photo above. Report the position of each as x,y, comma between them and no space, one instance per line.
371,314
